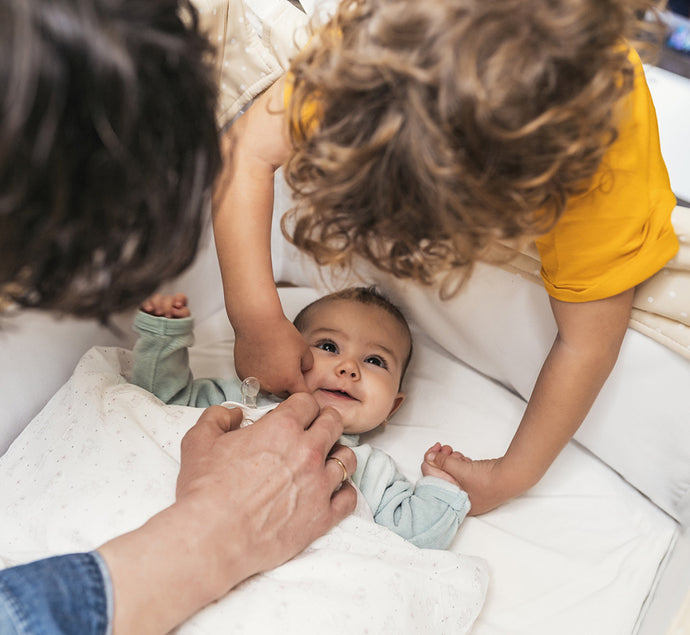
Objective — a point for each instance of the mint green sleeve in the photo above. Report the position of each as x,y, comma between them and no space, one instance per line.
161,364
427,514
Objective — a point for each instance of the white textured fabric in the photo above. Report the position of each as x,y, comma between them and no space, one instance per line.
103,456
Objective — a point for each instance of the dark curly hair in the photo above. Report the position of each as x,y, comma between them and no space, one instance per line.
108,149
426,132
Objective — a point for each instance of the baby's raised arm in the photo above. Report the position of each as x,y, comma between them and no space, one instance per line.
433,470
267,345
173,306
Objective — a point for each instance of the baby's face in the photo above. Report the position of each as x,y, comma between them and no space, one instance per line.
359,353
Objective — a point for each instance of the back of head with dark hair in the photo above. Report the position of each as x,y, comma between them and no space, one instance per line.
108,147
364,295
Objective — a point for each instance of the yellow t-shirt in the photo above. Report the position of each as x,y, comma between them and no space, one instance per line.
619,233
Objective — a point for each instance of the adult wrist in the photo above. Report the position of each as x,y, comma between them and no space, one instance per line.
171,567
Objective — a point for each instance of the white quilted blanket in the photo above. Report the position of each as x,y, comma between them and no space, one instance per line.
103,456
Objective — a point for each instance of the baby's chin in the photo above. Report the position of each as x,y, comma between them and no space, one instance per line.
349,426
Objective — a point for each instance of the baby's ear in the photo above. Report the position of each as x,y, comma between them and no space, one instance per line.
397,402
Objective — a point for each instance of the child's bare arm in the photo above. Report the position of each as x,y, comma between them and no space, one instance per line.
584,352
267,346
167,305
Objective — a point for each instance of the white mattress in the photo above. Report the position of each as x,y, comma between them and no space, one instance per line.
578,554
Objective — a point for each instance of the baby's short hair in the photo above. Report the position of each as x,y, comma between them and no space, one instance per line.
363,295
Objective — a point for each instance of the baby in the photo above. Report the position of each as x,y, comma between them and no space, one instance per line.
361,345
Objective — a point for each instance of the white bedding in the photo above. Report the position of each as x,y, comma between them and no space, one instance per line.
578,554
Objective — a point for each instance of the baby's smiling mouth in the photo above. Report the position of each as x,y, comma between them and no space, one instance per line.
338,394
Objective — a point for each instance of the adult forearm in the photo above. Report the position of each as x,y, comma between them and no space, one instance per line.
247,501
170,568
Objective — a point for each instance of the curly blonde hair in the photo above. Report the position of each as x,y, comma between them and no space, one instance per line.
424,133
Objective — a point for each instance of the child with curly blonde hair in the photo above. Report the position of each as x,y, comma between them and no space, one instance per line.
426,136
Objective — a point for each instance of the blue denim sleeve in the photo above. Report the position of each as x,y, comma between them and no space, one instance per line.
66,595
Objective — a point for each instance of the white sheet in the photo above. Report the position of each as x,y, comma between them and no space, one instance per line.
578,554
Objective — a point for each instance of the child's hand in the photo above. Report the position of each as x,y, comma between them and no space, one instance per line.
432,470
169,306
483,480
275,353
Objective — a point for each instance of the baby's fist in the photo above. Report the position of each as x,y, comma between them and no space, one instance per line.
432,470
169,306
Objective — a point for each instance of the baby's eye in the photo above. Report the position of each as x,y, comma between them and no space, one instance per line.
327,345
376,361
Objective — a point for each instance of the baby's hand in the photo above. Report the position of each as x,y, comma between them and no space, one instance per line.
430,470
169,306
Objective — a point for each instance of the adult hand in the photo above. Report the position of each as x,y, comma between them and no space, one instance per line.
274,475
247,500
275,353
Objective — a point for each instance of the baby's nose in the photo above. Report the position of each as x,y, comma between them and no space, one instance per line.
348,369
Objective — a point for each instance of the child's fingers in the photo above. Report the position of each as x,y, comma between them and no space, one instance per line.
438,455
461,456
430,470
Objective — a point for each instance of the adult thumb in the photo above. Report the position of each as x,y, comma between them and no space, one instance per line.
213,422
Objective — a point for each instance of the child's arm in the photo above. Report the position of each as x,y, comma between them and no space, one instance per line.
584,352
161,360
267,345
427,514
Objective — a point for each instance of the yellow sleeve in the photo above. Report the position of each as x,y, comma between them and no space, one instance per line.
619,233
309,115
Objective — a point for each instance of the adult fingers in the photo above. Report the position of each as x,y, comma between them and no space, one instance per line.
343,502
296,384
213,422
341,463
300,408
326,429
